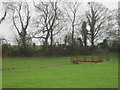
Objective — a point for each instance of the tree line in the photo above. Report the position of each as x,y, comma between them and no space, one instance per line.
61,27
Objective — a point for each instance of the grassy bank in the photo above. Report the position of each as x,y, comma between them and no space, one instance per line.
100,75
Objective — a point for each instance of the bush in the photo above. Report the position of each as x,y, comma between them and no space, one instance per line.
55,50
113,49
85,51
5,50
100,51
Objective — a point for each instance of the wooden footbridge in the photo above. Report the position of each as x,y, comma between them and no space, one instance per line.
88,59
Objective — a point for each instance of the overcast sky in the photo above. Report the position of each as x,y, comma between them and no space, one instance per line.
7,31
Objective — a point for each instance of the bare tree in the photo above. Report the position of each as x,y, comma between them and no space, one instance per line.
112,24
112,27
21,19
50,16
96,18
72,9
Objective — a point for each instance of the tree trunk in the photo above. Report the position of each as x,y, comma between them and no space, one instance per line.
23,46
85,41
46,45
51,42
92,40
72,37
92,34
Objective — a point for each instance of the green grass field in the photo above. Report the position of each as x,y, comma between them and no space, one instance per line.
99,75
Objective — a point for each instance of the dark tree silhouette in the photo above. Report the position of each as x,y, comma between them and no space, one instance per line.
72,15
21,15
96,18
84,33
49,19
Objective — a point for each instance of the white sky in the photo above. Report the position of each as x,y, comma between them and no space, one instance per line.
6,30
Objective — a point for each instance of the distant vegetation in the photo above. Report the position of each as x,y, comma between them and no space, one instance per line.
57,50
61,30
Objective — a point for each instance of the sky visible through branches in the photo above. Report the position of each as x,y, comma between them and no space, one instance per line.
7,30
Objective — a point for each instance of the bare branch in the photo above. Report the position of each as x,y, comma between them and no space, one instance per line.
3,16
13,19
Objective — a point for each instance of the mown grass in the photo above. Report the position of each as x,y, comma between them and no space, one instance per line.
33,62
100,75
